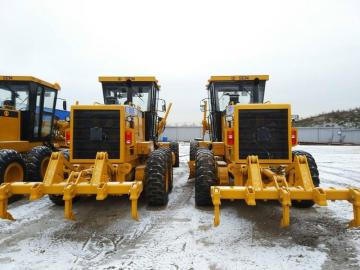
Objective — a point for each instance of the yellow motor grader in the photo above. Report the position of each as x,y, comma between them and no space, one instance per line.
114,151
61,134
250,157
27,106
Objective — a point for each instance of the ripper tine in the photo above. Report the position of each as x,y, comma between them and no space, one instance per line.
216,199
356,208
4,197
135,191
285,203
299,189
69,194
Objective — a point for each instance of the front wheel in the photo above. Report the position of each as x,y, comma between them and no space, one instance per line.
157,178
205,176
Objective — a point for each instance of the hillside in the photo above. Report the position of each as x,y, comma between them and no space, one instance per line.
345,119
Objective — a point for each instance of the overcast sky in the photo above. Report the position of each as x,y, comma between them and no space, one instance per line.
310,49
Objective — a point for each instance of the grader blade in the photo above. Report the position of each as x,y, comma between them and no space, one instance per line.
255,190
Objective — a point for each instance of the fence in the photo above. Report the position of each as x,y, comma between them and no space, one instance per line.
326,135
329,135
182,133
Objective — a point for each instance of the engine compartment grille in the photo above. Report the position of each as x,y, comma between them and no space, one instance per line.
96,131
264,133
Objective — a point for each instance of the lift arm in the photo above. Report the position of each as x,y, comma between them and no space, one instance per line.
204,122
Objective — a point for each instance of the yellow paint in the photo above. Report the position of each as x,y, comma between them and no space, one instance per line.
131,78
14,172
19,146
239,78
144,148
10,127
54,86
218,148
205,124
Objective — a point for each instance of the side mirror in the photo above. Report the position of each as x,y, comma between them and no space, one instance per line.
295,117
202,105
64,105
164,106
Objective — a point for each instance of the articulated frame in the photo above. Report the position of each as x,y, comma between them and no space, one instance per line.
101,179
249,186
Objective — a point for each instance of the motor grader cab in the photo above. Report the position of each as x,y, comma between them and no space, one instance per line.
27,107
143,93
250,154
113,151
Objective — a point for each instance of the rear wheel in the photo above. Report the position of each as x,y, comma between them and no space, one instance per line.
37,161
157,178
314,174
174,146
12,169
205,176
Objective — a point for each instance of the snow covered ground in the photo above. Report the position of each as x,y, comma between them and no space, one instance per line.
181,236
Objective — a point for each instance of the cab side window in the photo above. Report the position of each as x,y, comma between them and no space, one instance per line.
49,99
22,99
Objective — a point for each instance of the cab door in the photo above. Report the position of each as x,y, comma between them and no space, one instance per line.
44,113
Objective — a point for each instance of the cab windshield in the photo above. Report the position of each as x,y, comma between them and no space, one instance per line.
123,95
237,93
14,95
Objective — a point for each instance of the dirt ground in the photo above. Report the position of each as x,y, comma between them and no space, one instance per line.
181,236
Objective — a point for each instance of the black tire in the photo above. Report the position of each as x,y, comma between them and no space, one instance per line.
194,145
170,170
205,176
169,152
57,200
7,157
157,166
34,162
174,146
314,174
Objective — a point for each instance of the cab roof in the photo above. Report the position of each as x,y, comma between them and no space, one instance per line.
238,78
54,86
126,78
